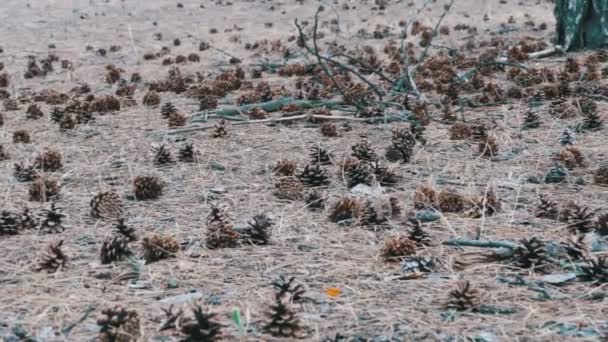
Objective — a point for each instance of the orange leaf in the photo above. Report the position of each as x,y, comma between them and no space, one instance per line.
333,292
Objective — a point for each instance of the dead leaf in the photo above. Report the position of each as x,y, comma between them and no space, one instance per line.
333,292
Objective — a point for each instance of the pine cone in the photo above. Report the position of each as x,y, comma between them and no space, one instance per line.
592,120
158,247
289,188
364,151
488,147
151,99
52,220
257,113
425,197
106,204
315,200
128,232
418,234
176,120
257,232
33,112
285,167
531,120
202,327
218,215
601,175
162,155
187,153
601,226
28,220
287,288
53,258
314,176
148,187
531,253
105,104
344,209
460,131
49,160
547,208
576,247
384,175
11,105
486,205
451,201
221,235
3,154
220,129
207,102
397,247
84,117
378,210
24,173
21,136
44,189
581,219
114,248
220,230
167,109
572,157
403,142
464,297
10,223
283,321
118,324
329,129
596,270
319,155
67,122
360,173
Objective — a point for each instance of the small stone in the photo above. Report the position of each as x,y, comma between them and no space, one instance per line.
217,166
213,299
427,215
172,283
218,190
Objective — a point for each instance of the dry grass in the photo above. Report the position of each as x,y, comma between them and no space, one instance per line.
108,153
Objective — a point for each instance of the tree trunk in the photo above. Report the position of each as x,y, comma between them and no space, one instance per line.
582,23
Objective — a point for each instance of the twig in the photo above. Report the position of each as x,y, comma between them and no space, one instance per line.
405,71
321,58
69,327
547,52
424,53
224,52
365,65
480,243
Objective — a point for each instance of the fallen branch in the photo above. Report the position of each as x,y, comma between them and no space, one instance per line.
270,106
383,119
480,243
